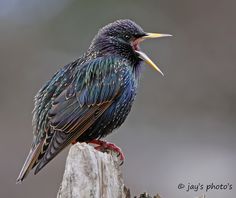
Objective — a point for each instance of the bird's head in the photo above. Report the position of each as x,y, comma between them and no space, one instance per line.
123,37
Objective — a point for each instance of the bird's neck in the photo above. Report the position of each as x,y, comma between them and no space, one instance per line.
136,65
113,46
108,46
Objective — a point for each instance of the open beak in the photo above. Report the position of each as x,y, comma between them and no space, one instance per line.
143,56
155,35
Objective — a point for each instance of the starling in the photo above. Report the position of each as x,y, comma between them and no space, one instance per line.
90,97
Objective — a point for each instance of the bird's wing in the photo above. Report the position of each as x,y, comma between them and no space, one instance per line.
45,96
43,103
94,89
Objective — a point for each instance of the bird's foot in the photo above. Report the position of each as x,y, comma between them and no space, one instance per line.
104,146
74,142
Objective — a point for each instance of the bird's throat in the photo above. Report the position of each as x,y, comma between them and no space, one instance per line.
135,44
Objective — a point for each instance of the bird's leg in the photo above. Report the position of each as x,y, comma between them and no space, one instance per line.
103,146
74,142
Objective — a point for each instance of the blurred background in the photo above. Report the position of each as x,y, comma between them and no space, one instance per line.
182,128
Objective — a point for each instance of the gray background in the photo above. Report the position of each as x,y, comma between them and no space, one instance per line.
182,126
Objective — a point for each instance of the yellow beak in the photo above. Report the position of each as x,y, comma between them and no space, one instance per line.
143,56
155,35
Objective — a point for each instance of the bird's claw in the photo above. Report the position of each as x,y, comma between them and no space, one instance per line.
104,146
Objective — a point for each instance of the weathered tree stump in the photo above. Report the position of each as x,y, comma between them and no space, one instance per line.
92,174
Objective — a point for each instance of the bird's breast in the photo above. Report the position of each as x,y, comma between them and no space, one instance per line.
115,115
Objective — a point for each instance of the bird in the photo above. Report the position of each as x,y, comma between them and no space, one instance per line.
90,97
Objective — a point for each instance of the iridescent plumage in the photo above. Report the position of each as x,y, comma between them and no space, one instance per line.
88,98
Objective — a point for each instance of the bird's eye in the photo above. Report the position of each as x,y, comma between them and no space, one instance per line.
127,36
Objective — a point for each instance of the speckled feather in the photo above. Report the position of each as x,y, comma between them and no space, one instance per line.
88,98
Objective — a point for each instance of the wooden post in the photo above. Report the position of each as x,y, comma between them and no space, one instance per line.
92,174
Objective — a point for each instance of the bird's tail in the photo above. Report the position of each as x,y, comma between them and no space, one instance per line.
29,162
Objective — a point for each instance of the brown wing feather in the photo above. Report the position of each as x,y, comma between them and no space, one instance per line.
30,161
61,140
